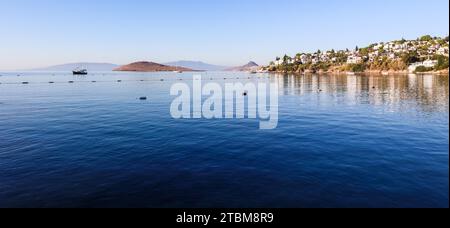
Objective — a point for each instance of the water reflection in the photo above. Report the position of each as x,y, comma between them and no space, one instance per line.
429,92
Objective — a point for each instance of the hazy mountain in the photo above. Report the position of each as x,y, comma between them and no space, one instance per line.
150,67
197,65
247,67
88,66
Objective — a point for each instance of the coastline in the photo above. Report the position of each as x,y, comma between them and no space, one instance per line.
366,72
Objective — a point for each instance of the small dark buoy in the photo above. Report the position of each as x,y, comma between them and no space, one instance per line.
142,98
162,80
25,83
119,80
70,82
50,82
245,94
94,81
142,80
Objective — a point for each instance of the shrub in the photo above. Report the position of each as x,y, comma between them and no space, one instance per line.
357,68
421,69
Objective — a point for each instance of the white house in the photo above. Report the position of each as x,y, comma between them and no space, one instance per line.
352,59
442,51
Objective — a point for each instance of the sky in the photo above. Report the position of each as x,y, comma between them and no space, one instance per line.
225,32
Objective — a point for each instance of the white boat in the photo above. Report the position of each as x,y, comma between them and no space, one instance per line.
80,72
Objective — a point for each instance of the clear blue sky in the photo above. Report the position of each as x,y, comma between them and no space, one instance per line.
228,32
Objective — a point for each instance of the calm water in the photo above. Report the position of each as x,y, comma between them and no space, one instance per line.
96,145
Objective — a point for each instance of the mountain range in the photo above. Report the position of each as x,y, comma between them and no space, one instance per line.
72,66
197,65
149,67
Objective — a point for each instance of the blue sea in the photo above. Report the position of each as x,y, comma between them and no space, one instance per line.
342,141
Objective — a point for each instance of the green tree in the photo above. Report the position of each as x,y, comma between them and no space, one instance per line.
443,62
426,38
410,57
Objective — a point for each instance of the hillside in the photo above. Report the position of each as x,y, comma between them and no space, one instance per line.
424,54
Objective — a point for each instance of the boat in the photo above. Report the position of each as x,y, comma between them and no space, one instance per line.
80,72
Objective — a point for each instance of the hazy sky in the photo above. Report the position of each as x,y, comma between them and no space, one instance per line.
227,32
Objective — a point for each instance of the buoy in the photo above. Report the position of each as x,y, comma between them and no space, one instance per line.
93,81
244,94
25,83
70,82
119,80
162,80
50,82
142,98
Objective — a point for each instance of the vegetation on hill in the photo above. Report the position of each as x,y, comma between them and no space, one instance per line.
397,55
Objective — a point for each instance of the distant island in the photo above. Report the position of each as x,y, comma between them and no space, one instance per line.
425,54
251,66
71,66
150,67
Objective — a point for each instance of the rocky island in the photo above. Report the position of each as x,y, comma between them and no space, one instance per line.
251,66
150,67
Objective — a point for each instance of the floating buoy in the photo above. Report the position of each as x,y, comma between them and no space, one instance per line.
71,82
119,80
245,94
50,82
162,80
25,83
142,98
94,81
